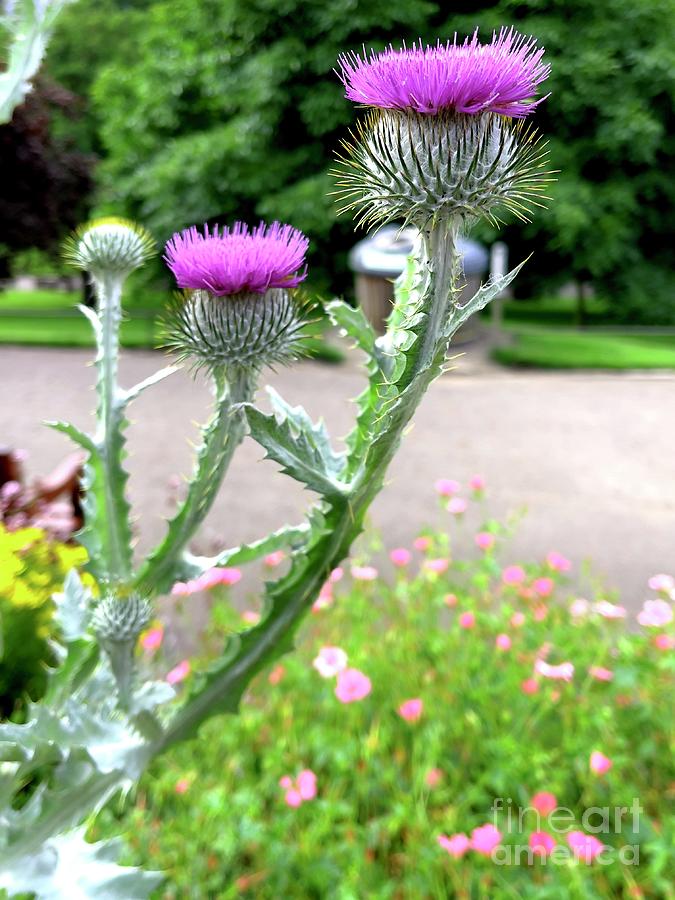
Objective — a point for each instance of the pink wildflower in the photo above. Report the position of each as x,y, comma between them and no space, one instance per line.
457,506
539,613
446,487
543,586
450,600
503,642
411,710
664,642
352,686
485,540
307,784
558,562
422,543
477,483
272,560
562,672
518,619
513,575
662,582
609,610
544,802
285,782
529,686
541,843
436,566
585,846
179,673
433,778
579,608
467,620
182,786
293,798
600,763
250,616
276,674
364,573
207,580
600,673
485,838
330,661
336,575
456,845
151,640
325,598
400,556
655,614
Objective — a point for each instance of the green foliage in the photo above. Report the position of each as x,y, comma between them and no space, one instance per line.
212,813
612,91
32,568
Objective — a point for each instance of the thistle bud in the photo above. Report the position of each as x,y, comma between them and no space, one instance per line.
117,623
109,246
119,620
240,306
440,142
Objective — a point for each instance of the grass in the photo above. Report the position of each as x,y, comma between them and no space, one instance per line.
553,311
557,349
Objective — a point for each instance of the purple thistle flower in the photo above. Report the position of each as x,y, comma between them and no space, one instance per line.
500,77
235,260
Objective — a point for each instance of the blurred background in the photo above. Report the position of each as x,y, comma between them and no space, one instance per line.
177,112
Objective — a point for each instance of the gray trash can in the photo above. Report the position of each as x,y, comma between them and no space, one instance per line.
380,258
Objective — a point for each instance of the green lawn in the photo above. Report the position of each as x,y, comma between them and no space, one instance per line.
552,311
37,300
557,349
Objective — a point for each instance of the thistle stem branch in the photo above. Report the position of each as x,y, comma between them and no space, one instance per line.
221,437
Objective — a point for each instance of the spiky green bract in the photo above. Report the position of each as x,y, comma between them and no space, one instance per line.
419,169
246,330
109,246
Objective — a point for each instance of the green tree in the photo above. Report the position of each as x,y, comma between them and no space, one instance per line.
612,85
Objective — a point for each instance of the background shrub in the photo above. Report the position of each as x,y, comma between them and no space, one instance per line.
32,569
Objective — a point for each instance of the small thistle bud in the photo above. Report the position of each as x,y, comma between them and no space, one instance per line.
440,142
239,306
109,246
117,622
120,620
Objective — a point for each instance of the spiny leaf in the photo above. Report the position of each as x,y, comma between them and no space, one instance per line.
67,867
301,448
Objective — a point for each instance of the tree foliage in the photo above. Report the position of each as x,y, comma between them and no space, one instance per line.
227,108
45,181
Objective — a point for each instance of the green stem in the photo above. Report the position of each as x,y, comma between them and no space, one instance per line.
113,519
222,436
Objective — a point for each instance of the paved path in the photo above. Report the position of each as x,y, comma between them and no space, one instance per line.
590,456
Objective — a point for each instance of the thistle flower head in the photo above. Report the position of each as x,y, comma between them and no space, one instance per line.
235,260
238,307
500,77
439,143
109,246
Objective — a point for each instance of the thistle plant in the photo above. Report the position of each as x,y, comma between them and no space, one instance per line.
438,149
